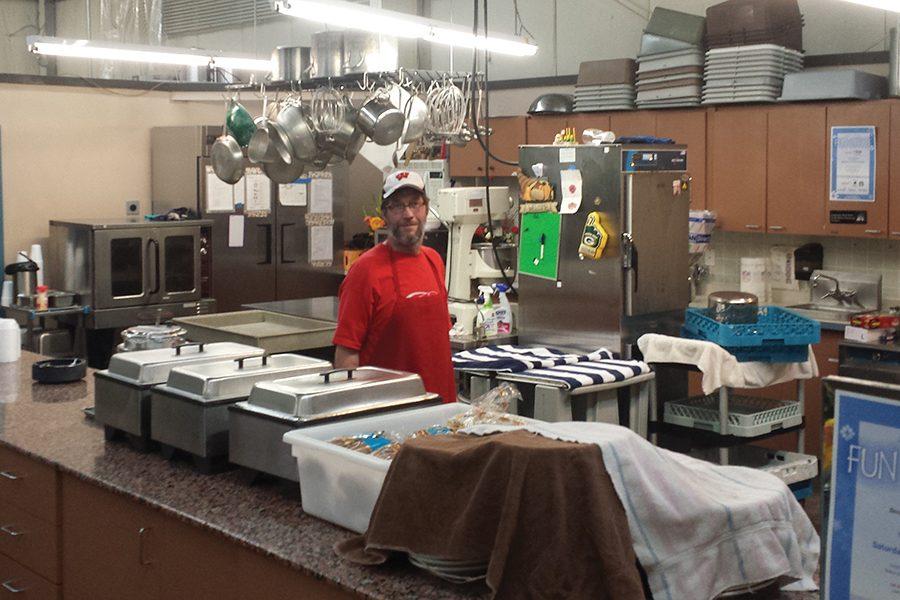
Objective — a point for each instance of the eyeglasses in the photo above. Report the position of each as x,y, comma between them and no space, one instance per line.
399,207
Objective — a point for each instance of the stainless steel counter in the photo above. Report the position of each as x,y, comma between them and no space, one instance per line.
324,308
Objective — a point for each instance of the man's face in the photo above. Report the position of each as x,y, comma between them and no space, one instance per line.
405,213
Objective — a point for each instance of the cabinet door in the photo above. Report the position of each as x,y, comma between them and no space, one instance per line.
508,134
582,121
737,151
688,127
111,545
877,114
196,564
542,129
263,577
795,166
894,208
638,122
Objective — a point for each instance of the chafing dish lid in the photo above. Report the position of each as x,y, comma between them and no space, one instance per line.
235,378
335,392
151,367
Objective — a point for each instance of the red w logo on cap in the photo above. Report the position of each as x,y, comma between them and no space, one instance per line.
402,175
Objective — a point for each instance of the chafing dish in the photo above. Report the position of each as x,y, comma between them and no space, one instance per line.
122,392
258,424
190,411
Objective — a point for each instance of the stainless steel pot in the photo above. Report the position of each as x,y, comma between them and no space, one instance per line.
227,159
282,172
149,337
380,120
299,131
415,113
365,52
291,63
327,53
733,307
347,141
269,142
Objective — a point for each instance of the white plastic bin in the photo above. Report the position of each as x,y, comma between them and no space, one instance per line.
341,485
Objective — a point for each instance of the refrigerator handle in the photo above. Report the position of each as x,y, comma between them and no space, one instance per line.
630,258
154,261
268,243
281,237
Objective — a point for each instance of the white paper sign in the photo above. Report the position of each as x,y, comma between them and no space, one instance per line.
570,185
259,191
567,154
240,192
293,194
852,176
781,268
320,195
321,246
236,231
219,195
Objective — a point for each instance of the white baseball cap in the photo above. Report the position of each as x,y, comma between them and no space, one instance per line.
402,179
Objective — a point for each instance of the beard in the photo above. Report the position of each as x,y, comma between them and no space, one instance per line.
406,238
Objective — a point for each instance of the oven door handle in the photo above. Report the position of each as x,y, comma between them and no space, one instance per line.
154,263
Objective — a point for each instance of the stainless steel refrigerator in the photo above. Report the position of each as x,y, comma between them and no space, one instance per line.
272,260
571,299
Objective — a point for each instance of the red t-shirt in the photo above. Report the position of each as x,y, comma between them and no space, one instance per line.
367,295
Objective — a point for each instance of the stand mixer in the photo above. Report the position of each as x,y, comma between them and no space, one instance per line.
463,210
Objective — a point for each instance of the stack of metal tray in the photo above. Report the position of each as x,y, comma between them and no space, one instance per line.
258,424
190,411
273,332
122,392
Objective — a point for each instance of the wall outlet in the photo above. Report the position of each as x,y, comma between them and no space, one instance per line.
132,208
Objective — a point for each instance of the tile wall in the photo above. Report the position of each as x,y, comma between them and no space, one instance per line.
840,254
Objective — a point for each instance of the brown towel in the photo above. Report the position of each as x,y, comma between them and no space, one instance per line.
544,513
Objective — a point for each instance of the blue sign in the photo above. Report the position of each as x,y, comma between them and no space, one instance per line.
864,522
852,175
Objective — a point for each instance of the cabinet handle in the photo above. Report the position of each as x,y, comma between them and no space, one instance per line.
8,475
479,168
141,532
833,360
9,587
873,231
776,227
8,530
752,226
895,233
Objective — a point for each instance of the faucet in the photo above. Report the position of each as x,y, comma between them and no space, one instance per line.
844,297
697,275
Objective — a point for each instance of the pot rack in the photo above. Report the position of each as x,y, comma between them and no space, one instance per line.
421,78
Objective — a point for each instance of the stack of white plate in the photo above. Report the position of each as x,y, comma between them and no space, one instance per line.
748,73
672,78
610,96
454,571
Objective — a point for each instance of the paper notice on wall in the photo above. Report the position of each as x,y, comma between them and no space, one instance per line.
259,191
570,184
781,268
240,193
293,194
320,195
852,174
321,244
236,231
219,195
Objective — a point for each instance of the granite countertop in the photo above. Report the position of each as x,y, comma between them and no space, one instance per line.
47,423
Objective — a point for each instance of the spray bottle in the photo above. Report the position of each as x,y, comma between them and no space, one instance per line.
503,311
488,314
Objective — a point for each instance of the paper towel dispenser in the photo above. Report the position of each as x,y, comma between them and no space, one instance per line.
807,258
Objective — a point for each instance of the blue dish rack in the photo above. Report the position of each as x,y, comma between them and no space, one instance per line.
778,335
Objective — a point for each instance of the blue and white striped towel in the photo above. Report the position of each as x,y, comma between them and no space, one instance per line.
515,359
592,372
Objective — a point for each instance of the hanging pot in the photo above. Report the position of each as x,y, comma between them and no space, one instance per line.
348,140
269,143
227,159
282,172
415,112
380,120
299,132
239,123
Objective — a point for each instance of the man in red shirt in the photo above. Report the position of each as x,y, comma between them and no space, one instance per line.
393,303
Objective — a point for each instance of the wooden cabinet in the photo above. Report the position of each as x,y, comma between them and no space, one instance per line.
542,129
636,122
28,484
508,134
30,541
688,127
796,160
17,581
582,121
878,114
737,168
114,547
894,205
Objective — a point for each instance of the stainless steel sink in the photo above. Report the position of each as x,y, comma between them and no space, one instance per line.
821,312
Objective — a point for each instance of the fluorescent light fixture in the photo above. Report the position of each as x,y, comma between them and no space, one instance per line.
355,16
189,57
891,5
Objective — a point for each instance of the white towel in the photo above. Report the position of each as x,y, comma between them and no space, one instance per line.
698,529
720,367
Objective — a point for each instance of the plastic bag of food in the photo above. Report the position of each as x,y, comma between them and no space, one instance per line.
367,443
433,430
490,408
